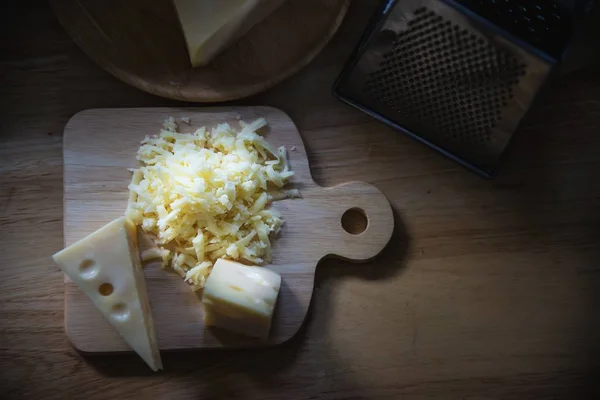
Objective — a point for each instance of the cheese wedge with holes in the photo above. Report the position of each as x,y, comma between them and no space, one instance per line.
106,267
241,298
209,26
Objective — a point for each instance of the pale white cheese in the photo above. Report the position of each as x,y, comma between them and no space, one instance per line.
106,267
209,26
241,298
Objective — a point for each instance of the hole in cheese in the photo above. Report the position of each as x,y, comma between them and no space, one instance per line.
354,221
120,312
87,269
105,289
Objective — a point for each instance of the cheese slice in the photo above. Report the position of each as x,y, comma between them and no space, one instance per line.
241,298
209,26
106,267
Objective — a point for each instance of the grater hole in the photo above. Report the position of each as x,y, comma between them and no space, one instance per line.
545,24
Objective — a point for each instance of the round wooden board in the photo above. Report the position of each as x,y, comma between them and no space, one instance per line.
141,43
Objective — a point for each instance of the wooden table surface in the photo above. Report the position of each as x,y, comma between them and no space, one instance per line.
490,289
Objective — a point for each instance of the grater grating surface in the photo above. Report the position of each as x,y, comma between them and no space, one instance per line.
544,24
447,77
444,81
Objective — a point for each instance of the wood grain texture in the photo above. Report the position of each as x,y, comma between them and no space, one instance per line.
489,289
141,42
99,147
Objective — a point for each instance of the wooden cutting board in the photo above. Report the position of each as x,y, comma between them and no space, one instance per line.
101,144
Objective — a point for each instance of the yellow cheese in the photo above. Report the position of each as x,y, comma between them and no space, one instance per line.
209,26
106,267
241,298
206,195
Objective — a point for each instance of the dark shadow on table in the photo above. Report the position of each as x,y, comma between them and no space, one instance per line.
552,167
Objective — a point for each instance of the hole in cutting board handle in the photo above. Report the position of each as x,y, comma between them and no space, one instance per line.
355,221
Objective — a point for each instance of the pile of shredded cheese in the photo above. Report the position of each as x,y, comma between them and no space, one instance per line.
205,195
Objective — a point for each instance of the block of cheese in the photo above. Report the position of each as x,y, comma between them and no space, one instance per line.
106,267
210,26
241,298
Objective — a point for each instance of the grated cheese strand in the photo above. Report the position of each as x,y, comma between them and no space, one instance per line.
206,195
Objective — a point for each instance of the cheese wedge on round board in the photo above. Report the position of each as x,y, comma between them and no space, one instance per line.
106,267
209,26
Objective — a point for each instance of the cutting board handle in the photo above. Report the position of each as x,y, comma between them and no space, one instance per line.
369,201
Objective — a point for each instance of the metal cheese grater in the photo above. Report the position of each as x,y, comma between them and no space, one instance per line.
457,75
